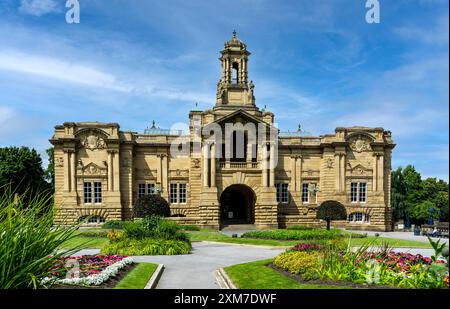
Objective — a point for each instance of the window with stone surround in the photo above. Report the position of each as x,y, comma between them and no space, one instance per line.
87,192
144,189
282,193
173,193
97,192
358,192
358,217
305,193
182,193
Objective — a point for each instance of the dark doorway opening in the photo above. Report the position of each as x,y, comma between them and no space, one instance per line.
237,205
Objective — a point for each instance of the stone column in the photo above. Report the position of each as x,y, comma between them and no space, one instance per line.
342,172
66,171
110,171
213,165
165,173
272,165
116,172
375,172
264,165
337,172
73,181
299,174
205,165
380,172
249,154
294,172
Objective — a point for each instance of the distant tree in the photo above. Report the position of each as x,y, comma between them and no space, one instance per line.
50,171
398,195
442,204
331,210
420,213
151,205
21,171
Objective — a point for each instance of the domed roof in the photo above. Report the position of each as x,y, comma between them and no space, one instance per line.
234,42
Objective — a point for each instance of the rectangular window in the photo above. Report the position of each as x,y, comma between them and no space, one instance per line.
305,193
87,190
314,187
362,192
354,192
173,193
141,190
366,218
278,186
97,192
358,216
182,191
151,188
284,193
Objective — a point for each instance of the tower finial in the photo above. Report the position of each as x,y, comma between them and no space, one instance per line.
234,34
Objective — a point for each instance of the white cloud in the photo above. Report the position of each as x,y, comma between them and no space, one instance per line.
6,113
38,7
62,70
436,35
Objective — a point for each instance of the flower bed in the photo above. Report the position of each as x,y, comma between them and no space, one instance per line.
87,269
312,234
306,247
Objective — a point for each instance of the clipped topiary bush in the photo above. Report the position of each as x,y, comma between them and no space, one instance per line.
301,263
151,205
154,227
313,234
147,246
114,224
299,227
331,210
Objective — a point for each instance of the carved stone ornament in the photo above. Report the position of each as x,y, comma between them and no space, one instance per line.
360,144
330,163
92,141
196,162
93,169
59,162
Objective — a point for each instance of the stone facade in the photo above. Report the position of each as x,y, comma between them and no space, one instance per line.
100,170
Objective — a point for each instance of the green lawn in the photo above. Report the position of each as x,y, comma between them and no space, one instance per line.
256,275
87,239
138,277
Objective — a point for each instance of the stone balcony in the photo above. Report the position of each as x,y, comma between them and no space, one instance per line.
238,165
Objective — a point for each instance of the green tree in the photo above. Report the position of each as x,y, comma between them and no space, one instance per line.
398,195
21,170
50,171
420,212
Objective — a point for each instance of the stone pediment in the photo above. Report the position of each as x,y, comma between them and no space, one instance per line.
92,139
92,169
360,141
239,116
360,170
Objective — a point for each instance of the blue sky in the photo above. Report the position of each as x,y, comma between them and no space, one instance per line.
317,63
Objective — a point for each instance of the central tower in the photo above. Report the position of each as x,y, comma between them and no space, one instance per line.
233,89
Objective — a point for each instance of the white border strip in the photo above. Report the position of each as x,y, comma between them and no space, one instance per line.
153,282
223,280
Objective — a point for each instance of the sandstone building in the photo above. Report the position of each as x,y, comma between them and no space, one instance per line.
101,170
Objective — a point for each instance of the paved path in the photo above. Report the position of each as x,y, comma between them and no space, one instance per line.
196,270
403,235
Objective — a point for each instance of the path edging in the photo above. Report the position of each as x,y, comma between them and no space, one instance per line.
223,279
245,245
154,279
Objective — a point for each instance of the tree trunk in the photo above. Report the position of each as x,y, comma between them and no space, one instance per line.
328,225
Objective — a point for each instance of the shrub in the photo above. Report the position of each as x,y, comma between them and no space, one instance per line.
151,205
300,263
115,236
29,241
190,228
331,210
154,227
306,247
299,227
114,224
87,232
312,234
147,246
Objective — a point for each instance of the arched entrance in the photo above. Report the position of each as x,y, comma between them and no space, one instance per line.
237,205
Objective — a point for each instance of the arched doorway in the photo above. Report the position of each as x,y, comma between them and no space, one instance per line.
237,205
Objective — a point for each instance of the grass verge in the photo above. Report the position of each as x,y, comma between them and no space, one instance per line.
257,275
138,277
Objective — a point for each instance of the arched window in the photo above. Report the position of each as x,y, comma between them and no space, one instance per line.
234,73
358,217
91,219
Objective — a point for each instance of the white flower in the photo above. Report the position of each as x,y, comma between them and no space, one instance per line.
96,279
